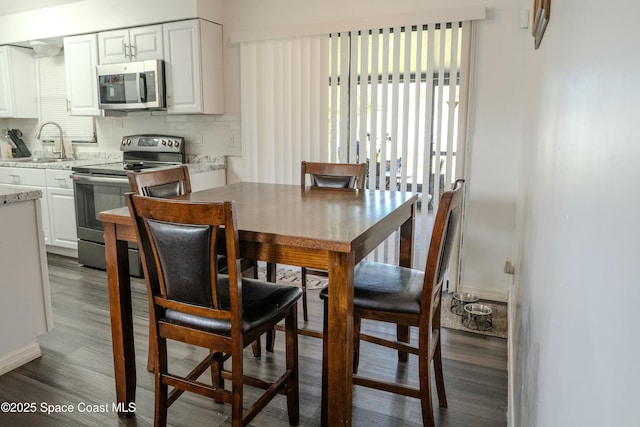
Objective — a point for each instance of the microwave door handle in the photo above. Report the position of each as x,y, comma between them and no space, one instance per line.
142,87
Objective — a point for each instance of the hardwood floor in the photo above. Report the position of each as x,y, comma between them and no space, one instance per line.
76,369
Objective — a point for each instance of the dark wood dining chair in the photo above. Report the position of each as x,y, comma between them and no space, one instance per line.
406,297
332,176
170,182
194,304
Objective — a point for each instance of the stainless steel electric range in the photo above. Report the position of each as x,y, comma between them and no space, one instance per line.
102,187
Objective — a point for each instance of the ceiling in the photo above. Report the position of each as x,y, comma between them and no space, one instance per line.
11,7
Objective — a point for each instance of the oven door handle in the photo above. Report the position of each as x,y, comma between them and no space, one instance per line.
98,179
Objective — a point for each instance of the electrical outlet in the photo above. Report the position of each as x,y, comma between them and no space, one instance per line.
509,268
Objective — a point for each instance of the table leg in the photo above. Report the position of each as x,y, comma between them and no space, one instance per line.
340,336
119,286
406,260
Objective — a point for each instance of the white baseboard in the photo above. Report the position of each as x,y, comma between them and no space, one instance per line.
487,294
72,253
18,358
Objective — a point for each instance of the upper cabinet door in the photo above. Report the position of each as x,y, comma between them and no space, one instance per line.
146,43
113,46
80,62
132,44
6,89
193,67
17,83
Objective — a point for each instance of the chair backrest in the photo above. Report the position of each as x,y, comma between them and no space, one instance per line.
334,175
178,241
163,183
443,237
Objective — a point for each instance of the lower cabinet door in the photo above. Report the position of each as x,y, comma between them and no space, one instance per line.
62,216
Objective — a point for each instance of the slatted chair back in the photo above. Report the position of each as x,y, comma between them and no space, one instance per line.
163,183
334,175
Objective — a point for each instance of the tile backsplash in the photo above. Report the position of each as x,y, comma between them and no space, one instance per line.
204,134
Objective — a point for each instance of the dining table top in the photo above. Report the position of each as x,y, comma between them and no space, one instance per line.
316,218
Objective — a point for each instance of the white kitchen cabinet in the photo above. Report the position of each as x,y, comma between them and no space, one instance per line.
17,83
193,67
62,213
30,178
80,61
131,44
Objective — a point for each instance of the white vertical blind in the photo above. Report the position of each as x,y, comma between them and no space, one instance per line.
405,87
284,107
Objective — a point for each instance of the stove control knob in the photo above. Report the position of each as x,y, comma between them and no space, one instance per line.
164,142
128,141
177,144
170,143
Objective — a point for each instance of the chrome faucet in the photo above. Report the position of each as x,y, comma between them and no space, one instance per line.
62,152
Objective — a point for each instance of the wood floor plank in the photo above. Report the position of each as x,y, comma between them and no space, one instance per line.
76,368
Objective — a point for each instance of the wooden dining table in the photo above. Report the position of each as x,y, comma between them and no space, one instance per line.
315,228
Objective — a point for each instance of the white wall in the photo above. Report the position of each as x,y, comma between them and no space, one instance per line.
576,333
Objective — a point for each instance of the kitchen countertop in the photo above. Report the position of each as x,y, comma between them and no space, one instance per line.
196,163
17,194
66,164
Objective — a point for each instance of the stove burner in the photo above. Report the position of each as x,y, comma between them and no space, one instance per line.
134,165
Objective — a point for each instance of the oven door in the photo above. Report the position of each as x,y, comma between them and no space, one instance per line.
93,195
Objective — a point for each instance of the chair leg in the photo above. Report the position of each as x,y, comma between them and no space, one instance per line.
256,348
271,277
237,390
425,392
160,367
303,286
151,360
402,332
271,340
357,322
293,394
437,367
217,380
325,367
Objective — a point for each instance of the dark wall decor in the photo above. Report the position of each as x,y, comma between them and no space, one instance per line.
541,13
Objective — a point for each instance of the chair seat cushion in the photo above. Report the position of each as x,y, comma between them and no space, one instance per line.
384,287
262,303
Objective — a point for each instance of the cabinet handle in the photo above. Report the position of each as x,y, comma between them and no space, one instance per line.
127,55
133,52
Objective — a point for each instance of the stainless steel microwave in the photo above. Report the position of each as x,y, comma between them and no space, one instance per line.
132,85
